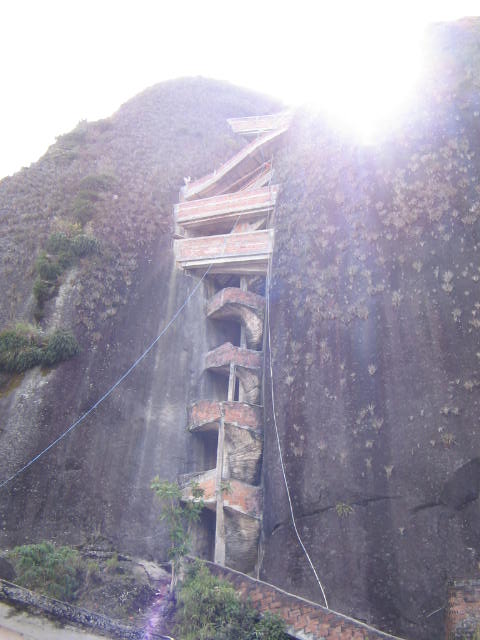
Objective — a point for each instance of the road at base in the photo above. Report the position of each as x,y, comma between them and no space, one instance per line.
20,625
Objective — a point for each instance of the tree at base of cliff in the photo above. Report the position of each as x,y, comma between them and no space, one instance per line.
179,516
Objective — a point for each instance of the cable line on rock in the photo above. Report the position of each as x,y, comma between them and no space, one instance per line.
112,388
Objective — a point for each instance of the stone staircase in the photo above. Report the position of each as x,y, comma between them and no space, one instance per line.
223,223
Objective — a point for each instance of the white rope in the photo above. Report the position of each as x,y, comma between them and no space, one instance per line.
278,437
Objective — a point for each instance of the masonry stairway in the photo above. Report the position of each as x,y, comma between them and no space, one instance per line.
223,222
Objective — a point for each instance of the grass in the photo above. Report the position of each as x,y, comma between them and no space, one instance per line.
94,183
90,192
72,575
343,509
62,251
25,346
54,571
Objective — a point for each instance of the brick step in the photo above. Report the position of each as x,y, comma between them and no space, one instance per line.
238,497
233,253
204,415
248,368
256,125
244,306
218,214
243,440
237,171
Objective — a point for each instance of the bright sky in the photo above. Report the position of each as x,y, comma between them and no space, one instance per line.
68,60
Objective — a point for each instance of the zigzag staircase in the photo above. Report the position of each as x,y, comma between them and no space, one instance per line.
224,224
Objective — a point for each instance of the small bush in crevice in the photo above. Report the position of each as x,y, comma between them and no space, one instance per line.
58,242
69,141
83,245
210,609
47,267
90,192
43,291
97,182
54,571
25,347
61,345
62,250
83,210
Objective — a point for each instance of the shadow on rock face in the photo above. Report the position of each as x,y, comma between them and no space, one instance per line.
463,486
460,489
7,572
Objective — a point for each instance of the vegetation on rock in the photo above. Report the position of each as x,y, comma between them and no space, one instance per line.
62,251
210,609
25,346
179,517
54,571
91,576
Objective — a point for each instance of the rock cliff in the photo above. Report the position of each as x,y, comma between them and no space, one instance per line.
375,325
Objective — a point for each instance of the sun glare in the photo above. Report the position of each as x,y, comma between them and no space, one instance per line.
358,61
366,72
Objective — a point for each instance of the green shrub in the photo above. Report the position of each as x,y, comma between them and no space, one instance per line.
43,291
88,194
93,571
61,345
210,609
83,245
83,210
47,267
97,182
20,349
63,251
48,569
73,139
112,563
66,247
65,259
25,347
27,358
59,242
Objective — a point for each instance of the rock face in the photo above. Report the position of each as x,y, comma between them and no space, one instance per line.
97,480
375,321
375,325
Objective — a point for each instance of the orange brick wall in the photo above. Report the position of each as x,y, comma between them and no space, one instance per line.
234,295
242,201
463,610
305,620
227,352
245,497
240,413
234,244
